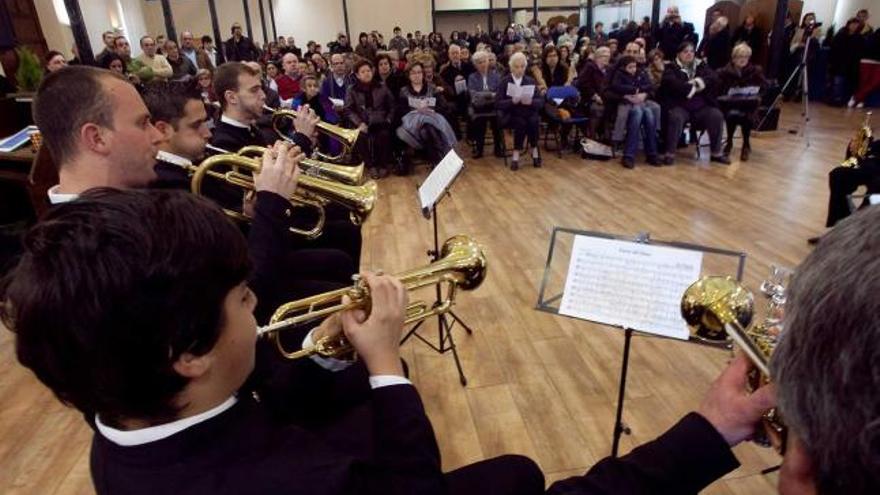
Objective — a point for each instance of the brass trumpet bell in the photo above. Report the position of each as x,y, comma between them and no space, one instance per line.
462,265
347,137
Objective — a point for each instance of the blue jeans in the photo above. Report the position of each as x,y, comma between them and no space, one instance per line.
640,116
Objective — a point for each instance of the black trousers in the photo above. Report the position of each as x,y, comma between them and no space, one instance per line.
736,118
708,118
478,132
843,181
504,475
374,146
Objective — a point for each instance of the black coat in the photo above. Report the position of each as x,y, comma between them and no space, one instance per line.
373,105
846,52
242,50
591,81
716,49
508,111
676,86
753,37
671,34
685,459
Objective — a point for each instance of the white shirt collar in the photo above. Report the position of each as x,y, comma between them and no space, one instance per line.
56,198
340,81
516,81
233,122
130,438
168,157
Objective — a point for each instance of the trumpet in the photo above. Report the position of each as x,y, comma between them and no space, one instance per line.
858,147
462,265
312,191
719,310
347,137
351,175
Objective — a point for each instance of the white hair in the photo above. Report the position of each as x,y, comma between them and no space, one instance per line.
479,56
518,56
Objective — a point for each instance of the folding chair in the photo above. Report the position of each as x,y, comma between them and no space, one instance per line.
558,94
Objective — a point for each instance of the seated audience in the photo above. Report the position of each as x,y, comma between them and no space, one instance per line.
205,81
114,62
740,110
482,86
323,107
369,106
385,74
181,66
155,62
521,116
422,125
636,111
656,66
455,74
365,49
288,81
687,87
336,85
553,71
591,82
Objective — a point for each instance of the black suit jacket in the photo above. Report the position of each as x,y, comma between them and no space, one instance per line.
685,459
232,138
249,449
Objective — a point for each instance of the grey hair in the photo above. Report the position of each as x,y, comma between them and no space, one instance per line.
827,364
517,56
479,56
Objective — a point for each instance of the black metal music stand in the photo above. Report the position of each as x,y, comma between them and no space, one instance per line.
546,305
445,321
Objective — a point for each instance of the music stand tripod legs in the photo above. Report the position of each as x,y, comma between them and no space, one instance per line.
445,321
801,69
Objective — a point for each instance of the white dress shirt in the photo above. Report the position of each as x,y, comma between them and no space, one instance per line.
56,198
233,122
129,438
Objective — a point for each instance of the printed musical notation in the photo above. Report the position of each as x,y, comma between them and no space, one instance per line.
628,284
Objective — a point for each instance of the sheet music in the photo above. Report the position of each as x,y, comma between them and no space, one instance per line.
440,179
629,284
419,103
460,86
337,102
744,91
521,94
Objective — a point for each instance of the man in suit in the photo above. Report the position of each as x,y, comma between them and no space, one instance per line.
175,363
280,274
455,75
843,181
825,377
239,89
240,48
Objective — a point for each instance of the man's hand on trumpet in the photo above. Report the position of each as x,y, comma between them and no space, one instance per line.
280,171
306,122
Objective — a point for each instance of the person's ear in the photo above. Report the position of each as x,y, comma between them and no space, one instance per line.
191,366
797,476
166,129
94,138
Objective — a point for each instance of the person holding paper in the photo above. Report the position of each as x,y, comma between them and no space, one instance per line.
455,74
518,108
482,86
423,126
591,82
740,110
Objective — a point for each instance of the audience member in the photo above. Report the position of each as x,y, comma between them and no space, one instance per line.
715,48
154,61
206,58
369,107
520,115
633,91
422,125
181,66
54,61
240,48
687,88
749,33
288,82
591,83
109,39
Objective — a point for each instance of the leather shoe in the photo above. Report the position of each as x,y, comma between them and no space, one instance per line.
744,154
628,162
514,165
723,159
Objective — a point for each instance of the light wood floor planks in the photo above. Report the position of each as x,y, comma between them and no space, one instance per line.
539,385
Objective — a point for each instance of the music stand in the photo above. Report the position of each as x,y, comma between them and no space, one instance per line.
547,305
431,192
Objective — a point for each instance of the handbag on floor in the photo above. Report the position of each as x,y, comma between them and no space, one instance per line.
595,150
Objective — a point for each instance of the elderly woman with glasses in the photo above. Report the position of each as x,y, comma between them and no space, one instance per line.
741,104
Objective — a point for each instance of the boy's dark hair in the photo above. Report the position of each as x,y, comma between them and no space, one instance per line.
166,101
67,100
226,79
626,60
113,288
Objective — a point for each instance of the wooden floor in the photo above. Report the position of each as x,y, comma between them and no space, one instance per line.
540,385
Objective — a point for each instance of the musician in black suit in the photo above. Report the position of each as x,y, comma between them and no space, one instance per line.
241,95
845,180
280,274
825,376
158,355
